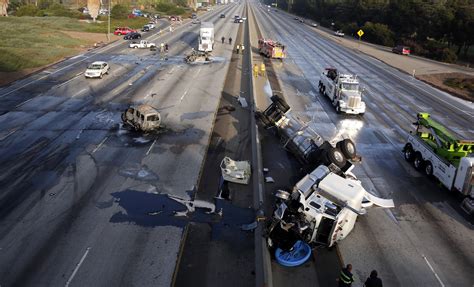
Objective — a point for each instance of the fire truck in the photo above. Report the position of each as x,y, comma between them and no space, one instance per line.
271,49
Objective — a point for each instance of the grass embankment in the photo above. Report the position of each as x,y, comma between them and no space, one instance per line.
30,42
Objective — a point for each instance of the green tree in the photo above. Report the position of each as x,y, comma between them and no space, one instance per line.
26,10
119,12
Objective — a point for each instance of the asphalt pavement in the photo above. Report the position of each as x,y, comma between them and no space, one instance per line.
84,200
426,240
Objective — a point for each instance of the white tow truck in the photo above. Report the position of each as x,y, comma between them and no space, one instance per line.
143,44
343,90
434,151
323,206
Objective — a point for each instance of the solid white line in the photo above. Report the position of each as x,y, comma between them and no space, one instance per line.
21,104
183,96
80,92
77,267
151,147
101,143
9,134
432,270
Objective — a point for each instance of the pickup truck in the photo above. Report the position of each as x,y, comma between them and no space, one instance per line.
143,44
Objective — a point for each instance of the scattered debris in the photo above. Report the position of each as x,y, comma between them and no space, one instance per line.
250,226
269,179
153,213
235,171
265,169
242,101
191,205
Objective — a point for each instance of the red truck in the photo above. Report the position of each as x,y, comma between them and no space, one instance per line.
271,49
123,31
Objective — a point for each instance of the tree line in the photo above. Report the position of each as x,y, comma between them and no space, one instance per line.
439,29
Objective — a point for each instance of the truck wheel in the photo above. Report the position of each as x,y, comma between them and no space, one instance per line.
336,157
281,103
429,168
418,162
136,47
347,147
338,109
408,153
101,75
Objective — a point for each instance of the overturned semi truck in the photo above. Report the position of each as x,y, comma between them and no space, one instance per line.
323,206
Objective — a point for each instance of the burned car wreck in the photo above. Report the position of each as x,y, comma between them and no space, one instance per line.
322,208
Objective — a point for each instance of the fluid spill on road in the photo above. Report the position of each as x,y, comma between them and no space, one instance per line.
139,172
152,210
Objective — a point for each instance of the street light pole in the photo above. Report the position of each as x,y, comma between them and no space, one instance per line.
108,25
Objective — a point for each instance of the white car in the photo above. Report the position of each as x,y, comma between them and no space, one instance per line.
97,70
339,33
244,18
151,25
314,25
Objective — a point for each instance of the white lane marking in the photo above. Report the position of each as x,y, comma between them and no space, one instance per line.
186,92
182,97
9,134
21,104
68,81
151,146
80,92
77,267
101,143
432,270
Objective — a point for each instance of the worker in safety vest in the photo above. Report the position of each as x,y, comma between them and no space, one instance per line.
262,69
345,277
242,47
255,70
238,48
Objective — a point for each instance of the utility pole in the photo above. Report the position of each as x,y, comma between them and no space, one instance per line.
108,24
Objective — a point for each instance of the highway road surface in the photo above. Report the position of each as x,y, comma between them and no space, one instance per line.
426,240
83,199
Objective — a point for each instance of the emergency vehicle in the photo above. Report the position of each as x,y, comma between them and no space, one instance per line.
271,49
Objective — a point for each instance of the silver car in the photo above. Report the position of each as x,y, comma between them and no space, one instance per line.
97,70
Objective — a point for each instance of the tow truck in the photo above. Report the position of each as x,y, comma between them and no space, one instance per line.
436,152
343,90
271,49
323,206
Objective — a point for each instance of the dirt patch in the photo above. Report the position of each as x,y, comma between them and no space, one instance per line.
457,84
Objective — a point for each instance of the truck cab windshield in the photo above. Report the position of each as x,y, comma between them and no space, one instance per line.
350,86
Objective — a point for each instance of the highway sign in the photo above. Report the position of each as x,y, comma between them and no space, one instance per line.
360,33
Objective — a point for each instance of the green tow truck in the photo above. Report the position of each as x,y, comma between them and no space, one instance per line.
434,151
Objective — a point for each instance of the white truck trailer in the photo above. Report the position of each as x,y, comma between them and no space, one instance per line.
206,37
433,150
343,90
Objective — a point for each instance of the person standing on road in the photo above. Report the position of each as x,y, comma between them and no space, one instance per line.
262,69
242,47
373,280
162,47
223,39
345,277
238,48
230,40
255,70
166,47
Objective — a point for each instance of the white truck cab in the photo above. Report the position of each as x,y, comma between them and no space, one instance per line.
343,90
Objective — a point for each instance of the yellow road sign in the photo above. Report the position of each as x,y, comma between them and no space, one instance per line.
360,33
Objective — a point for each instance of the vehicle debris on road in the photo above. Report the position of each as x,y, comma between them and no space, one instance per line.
235,171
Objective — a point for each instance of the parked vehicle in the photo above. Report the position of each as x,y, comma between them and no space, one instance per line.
143,44
143,118
301,21
193,16
97,70
123,31
339,33
206,37
151,25
402,50
222,16
271,49
238,20
343,90
133,36
434,151
145,28
314,25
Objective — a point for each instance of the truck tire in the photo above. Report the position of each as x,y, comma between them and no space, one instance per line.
347,147
136,47
336,157
408,153
281,103
338,108
428,168
418,162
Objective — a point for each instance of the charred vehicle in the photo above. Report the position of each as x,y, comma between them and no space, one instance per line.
142,118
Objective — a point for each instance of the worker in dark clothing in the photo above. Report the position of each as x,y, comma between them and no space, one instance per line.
223,39
166,47
373,280
346,278
230,40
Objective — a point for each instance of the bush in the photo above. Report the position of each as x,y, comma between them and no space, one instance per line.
26,10
119,12
351,29
170,9
378,33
